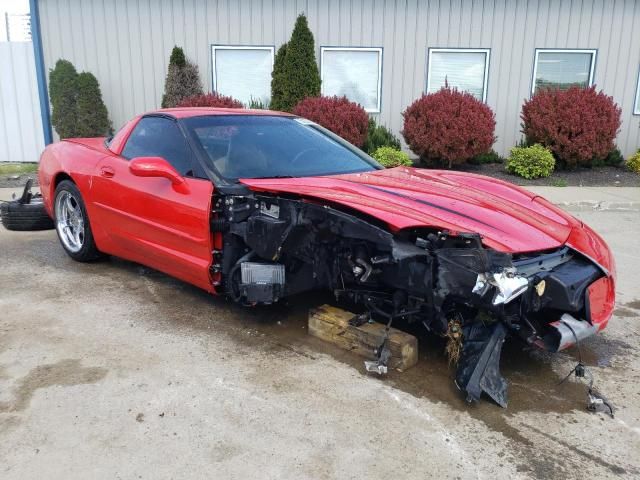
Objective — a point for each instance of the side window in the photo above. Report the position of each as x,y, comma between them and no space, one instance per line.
160,137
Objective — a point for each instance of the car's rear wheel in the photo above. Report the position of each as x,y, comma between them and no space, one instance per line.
72,223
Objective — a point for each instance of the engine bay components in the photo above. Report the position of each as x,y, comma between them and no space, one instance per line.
277,246
261,282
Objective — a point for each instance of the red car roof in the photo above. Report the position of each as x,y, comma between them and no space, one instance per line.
186,112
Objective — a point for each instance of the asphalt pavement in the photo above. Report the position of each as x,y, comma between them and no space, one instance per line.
112,370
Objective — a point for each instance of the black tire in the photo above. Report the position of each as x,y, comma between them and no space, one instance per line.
88,252
25,217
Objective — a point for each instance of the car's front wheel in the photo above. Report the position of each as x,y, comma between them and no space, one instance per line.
72,223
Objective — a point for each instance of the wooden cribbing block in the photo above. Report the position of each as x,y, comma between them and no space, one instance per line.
332,325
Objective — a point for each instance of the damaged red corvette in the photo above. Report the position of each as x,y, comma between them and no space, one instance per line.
260,205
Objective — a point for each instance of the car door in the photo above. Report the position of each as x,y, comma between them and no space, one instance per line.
151,220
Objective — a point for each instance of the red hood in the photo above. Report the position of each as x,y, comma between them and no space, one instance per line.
508,218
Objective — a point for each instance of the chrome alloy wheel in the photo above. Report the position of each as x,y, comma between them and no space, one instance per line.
69,221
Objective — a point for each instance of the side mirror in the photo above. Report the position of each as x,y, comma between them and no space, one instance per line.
155,167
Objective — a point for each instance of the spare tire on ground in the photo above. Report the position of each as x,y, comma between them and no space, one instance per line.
26,213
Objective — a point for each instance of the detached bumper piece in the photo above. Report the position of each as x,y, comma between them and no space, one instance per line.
479,365
567,332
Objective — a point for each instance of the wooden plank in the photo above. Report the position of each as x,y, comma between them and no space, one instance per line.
332,325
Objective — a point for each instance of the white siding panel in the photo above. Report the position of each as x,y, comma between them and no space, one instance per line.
127,44
21,137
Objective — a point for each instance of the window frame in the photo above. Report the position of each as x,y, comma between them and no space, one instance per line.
486,51
636,100
218,46
379,50
592,69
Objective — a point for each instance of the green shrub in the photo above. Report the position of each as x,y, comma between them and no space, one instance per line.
76,100
379,136
63,92
183,80
390,157
613,159
559,182
177,57
486,158
633,163
531,162
300,77
92,115
278,79
257,104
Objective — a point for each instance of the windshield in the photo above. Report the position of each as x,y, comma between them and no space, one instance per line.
262,146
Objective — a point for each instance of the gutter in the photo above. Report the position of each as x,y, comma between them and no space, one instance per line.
36,37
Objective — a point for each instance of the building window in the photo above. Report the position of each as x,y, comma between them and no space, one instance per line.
466,69
636,106
353,72
243,73
563,68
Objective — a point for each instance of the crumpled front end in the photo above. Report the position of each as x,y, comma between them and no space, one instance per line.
276,246
551,300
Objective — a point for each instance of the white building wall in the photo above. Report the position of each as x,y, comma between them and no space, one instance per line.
126,44
21,137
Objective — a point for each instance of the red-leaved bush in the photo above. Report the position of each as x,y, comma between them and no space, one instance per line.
579,125
448,127
210,100
344,118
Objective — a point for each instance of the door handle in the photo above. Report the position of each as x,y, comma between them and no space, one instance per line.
107,172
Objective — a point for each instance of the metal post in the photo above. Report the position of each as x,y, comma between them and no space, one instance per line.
36,39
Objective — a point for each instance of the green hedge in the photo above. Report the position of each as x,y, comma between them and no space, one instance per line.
531,162
633,163
389,157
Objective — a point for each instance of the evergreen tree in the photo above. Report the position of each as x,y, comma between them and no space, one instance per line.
177,57
183,79
300,70
278,80
63,91
92,115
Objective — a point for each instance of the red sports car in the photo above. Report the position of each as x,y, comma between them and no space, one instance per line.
260,205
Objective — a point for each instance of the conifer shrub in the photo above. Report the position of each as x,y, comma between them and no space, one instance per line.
92,116
298,76
379,136
63,94
278,80
182,81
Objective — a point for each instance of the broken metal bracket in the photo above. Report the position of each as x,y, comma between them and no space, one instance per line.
375,367
383,353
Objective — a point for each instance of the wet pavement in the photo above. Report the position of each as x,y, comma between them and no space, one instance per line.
112,370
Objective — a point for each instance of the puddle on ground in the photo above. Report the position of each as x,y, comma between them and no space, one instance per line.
63,373
533,384
635,304
624,312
